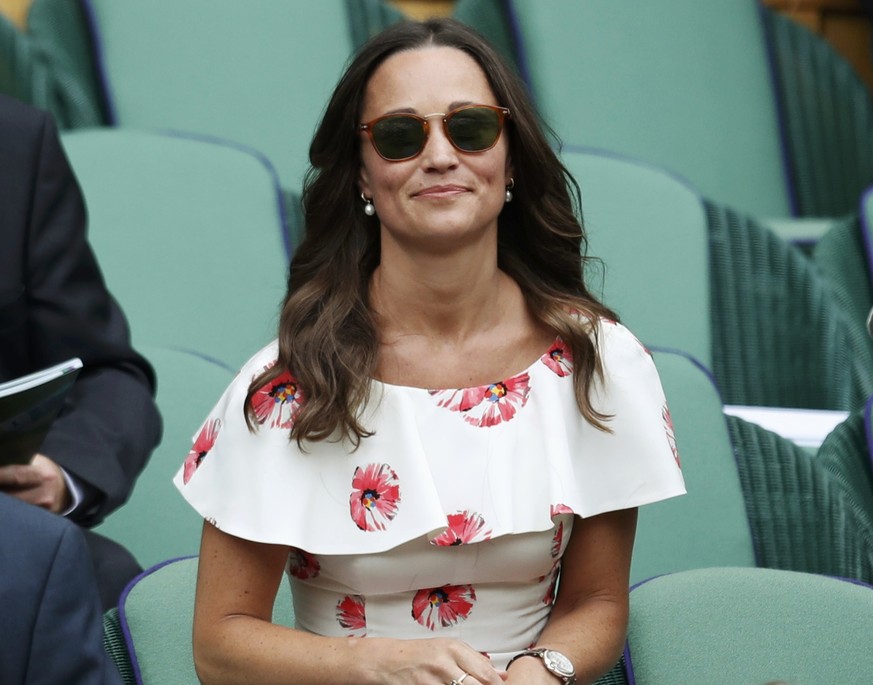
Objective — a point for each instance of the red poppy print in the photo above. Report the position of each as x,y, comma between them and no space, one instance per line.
487,405
559,359
202,445
375,496
351,615
557,540
464,527
279,400
671,435
302,565
556,509
444,606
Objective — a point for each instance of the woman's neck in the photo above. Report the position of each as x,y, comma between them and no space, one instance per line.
450,296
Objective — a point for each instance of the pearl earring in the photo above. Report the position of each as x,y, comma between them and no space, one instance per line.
369,208
509,188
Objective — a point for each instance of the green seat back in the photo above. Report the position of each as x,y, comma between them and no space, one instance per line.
492,19
708,526
847,453
157,613
781,333
802,518
650,231
259,73
50,64
156,523
827,112
742,626
683,84
189,236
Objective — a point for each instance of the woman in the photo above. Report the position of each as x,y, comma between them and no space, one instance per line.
424,510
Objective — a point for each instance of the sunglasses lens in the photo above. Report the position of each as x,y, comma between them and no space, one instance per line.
398,137
474,129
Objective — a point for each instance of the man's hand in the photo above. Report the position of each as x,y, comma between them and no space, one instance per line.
41,483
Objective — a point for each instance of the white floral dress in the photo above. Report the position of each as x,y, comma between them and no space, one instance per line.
451,519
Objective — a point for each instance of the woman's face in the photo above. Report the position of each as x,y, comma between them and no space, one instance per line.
442,198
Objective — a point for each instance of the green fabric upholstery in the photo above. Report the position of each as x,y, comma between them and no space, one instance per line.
492,19
801,516
116,648
847,453
780,337
189,236
682,84
256,73
650,231
157,614
156,523
708,526
827,112
840,257
616,676
369,17
50,64
741,626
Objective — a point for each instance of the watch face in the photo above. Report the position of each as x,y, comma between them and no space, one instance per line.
558,663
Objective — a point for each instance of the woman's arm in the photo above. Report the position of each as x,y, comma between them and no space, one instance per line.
235,641
589,618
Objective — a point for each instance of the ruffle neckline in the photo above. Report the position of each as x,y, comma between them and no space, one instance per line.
457,466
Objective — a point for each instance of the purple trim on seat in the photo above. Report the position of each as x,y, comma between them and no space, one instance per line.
853,581
122,614
518,47
98,54
694,360
628,665
781,111
868,427
257,154
205,357
867,229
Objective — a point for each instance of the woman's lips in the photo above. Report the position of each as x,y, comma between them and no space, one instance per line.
441,191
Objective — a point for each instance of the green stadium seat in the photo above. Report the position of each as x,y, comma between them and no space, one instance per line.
149,634
708,526
827,115
258,73
781,335
802,517
847,453
682,84
756,110
156,523
742,626
650,230
189,235
50,64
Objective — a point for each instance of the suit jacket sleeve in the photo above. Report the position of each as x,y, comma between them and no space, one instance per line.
67,644
110,424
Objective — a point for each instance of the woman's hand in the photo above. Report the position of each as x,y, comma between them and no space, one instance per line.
428,662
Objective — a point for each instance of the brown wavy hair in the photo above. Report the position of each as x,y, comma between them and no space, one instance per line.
327,333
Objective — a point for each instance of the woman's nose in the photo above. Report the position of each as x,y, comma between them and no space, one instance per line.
438,150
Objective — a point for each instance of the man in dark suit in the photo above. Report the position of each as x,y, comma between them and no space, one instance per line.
52,627
53,306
